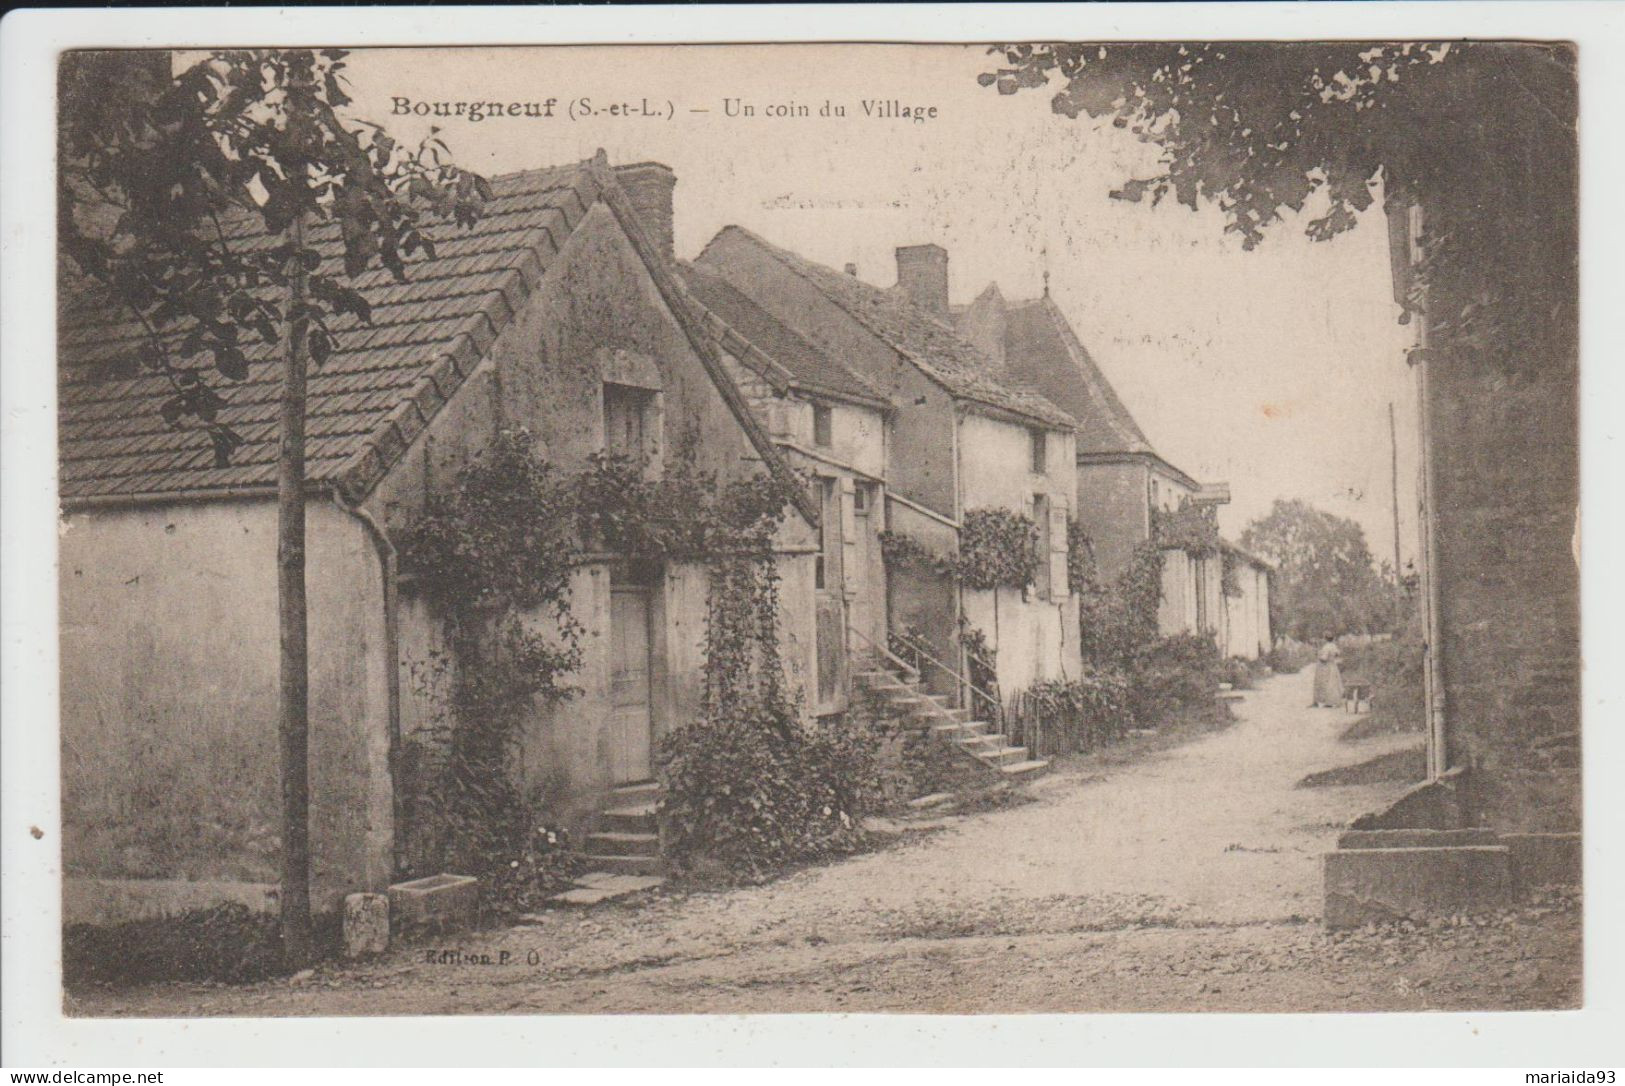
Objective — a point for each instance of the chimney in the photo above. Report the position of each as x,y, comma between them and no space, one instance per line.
649,186
922,272
852,269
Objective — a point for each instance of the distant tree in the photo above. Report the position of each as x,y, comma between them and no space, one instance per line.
161,177
1325,579
1480,136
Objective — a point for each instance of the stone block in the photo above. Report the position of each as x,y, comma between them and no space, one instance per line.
1416,838
1432,804
445,901
366,924
1544,859
1378,884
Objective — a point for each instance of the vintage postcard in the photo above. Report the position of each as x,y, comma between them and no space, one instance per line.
1023,526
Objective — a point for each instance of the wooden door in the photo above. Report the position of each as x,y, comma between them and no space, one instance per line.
631,723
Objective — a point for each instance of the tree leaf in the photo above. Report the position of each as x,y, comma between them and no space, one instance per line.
231,363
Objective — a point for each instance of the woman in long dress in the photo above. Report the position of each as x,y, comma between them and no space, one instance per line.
1328,676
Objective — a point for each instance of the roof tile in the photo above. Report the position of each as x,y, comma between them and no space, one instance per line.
426,334
932,346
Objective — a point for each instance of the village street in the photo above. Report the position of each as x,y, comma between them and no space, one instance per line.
1185,880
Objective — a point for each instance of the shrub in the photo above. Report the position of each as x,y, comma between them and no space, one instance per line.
542,866
1173,674
1237,672
1393,670
1067,716
1289,657
909,761
228,942
756,790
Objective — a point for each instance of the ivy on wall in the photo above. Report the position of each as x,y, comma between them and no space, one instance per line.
1191,528
494,553
1115,619
998,548
488,553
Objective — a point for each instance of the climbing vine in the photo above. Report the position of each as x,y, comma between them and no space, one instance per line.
1230,576
997,549
489,553
494,553
1191,528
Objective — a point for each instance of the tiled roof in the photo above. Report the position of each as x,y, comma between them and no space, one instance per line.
377,391
803,364
1247,556
929,344
1041,348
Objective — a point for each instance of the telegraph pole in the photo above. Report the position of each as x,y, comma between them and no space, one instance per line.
1393,460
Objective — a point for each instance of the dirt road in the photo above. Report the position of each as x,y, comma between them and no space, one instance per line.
1187,881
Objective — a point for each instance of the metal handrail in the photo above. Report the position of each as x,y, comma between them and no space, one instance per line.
962,680
884,651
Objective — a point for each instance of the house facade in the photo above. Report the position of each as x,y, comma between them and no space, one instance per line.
963,436
557,315
832,425
1123,485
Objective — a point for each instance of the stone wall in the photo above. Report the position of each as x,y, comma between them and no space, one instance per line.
1111,508
169,667
1507,478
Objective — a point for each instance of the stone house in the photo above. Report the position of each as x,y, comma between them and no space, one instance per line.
832,424
1123,484
559,313
964,435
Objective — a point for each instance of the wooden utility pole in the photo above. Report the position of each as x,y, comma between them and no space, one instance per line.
293,725
1393,460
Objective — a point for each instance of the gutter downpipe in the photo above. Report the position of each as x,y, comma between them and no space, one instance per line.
389,566
1421,356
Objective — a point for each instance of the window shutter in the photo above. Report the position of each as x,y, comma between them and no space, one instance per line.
1057,551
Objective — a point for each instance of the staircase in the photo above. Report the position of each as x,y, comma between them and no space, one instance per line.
904,694
627,841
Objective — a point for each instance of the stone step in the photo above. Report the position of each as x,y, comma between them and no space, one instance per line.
613,843
595,887
960,729
628,794
1003,756
981,744
628,865
635,819
1030,768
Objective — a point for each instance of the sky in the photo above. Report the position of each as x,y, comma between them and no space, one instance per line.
1271,370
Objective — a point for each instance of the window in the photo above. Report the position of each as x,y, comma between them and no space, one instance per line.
1041,577
826,567
863,498
1039,449
823,426
628,421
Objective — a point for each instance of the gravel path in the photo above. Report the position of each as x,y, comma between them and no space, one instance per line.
1188,879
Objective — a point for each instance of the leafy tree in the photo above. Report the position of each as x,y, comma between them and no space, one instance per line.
1480,136
1325,579
164,181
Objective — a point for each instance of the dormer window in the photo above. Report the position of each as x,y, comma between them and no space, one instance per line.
823,426
1038,440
